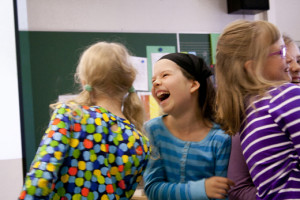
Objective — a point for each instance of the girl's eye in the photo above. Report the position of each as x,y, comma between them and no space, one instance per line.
164,75
298,61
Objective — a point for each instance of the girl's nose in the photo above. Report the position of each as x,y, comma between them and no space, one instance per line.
156,82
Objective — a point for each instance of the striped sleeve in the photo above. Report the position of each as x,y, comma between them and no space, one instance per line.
270,141
285,110
222,158
157,188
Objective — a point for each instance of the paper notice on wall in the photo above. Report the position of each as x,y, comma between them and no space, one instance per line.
154,53
141,81
66,97
155,57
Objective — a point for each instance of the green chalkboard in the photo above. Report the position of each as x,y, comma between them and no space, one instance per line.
196,43
48,61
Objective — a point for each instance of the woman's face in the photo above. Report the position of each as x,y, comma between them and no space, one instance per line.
293,59
276,67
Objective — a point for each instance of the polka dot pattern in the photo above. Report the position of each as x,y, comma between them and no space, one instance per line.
97,156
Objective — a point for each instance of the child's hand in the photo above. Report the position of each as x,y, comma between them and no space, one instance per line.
217,187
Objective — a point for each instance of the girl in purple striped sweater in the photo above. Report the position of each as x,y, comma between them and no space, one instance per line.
255,99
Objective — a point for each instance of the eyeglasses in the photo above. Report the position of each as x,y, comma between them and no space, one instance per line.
281,52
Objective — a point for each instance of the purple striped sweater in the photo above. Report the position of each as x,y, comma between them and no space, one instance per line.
270,139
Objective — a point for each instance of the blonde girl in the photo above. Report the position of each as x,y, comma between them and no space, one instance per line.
256,100
93,147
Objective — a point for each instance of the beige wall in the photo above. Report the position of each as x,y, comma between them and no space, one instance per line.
10,142
285,15
11,179
200,16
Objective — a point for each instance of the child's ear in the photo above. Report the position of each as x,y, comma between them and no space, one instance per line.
249,66
195,86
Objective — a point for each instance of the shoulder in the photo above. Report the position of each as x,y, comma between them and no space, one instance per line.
69,109
61,108
155,123
218,141
219,133
155,129
219,136
285,91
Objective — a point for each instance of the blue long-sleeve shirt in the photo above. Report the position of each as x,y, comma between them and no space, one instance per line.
177,169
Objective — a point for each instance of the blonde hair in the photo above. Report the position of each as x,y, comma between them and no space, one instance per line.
107,69
240,42
287,39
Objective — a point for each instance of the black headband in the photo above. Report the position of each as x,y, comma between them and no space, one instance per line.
194,65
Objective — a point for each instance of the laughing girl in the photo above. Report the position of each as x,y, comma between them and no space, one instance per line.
190,152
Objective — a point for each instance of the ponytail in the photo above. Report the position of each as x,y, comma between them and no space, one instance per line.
133,110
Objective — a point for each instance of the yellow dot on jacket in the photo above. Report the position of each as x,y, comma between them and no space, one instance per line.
81,165
83,121
42,183
65,178
129,145
93,157
131,139
42,153
136,135
76,197
114,170
50,167
126,121
103,148
58,155
37,164
28,183
105,117
101,179
97,172
97,137
98,121
74,142
111,158
104,197
79,182
125,158
113,118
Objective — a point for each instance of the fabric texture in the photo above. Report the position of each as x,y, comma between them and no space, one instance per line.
177,169
270,139
96,156
244,188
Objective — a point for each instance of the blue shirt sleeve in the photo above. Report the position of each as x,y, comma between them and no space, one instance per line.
157,188
222,157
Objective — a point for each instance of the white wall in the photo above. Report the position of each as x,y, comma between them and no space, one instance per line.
207,16
171,16
10,134
285,15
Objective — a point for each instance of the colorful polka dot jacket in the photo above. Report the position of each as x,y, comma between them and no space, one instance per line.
87,154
